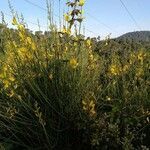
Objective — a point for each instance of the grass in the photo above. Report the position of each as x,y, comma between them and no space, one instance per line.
57,93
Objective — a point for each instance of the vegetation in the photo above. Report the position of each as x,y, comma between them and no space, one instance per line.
140,36
62,91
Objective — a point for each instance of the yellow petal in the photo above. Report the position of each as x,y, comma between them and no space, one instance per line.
14,21
12,79
73,63
83,102
81,2
91,103
84,108
29,40
67,18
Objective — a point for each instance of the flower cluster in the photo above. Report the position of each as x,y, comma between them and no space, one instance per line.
89,106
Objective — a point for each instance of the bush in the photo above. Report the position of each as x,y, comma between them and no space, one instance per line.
56,93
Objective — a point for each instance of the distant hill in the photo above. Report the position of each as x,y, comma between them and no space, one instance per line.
138,36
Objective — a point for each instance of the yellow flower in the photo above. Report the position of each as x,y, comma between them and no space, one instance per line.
22,51
50,76
29,40
91,57
67,31
139,72
140,57
14,44
66,17
12,93
82,11
12,79
83,102
108,98
88,42
22,36
125,68
81,2
91,104
73,63
6,84
65,49
33,46
89,107
114,69
64,30
2,75
84,108
5,67
31,43
92,112
19,97
21,28
14,21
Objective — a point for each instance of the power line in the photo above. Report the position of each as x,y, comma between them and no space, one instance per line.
46,26
42,8
105,25
129,13
90,31
36,5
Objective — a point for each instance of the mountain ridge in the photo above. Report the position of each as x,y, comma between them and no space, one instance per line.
139,36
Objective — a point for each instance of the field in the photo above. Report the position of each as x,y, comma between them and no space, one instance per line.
63,91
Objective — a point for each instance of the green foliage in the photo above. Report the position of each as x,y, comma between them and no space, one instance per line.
62,91
138,36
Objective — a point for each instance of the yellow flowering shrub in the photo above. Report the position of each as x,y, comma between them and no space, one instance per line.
59,90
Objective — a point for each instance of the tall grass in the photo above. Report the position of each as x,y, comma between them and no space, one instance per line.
56,93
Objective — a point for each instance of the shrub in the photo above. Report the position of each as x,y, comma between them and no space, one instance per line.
56,93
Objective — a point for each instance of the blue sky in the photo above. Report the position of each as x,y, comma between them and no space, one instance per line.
102,16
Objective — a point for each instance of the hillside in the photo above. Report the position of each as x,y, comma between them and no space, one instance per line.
139,36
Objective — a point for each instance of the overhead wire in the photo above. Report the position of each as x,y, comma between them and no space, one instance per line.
91,16
130,14
42,8
88,30
101,23
45,26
